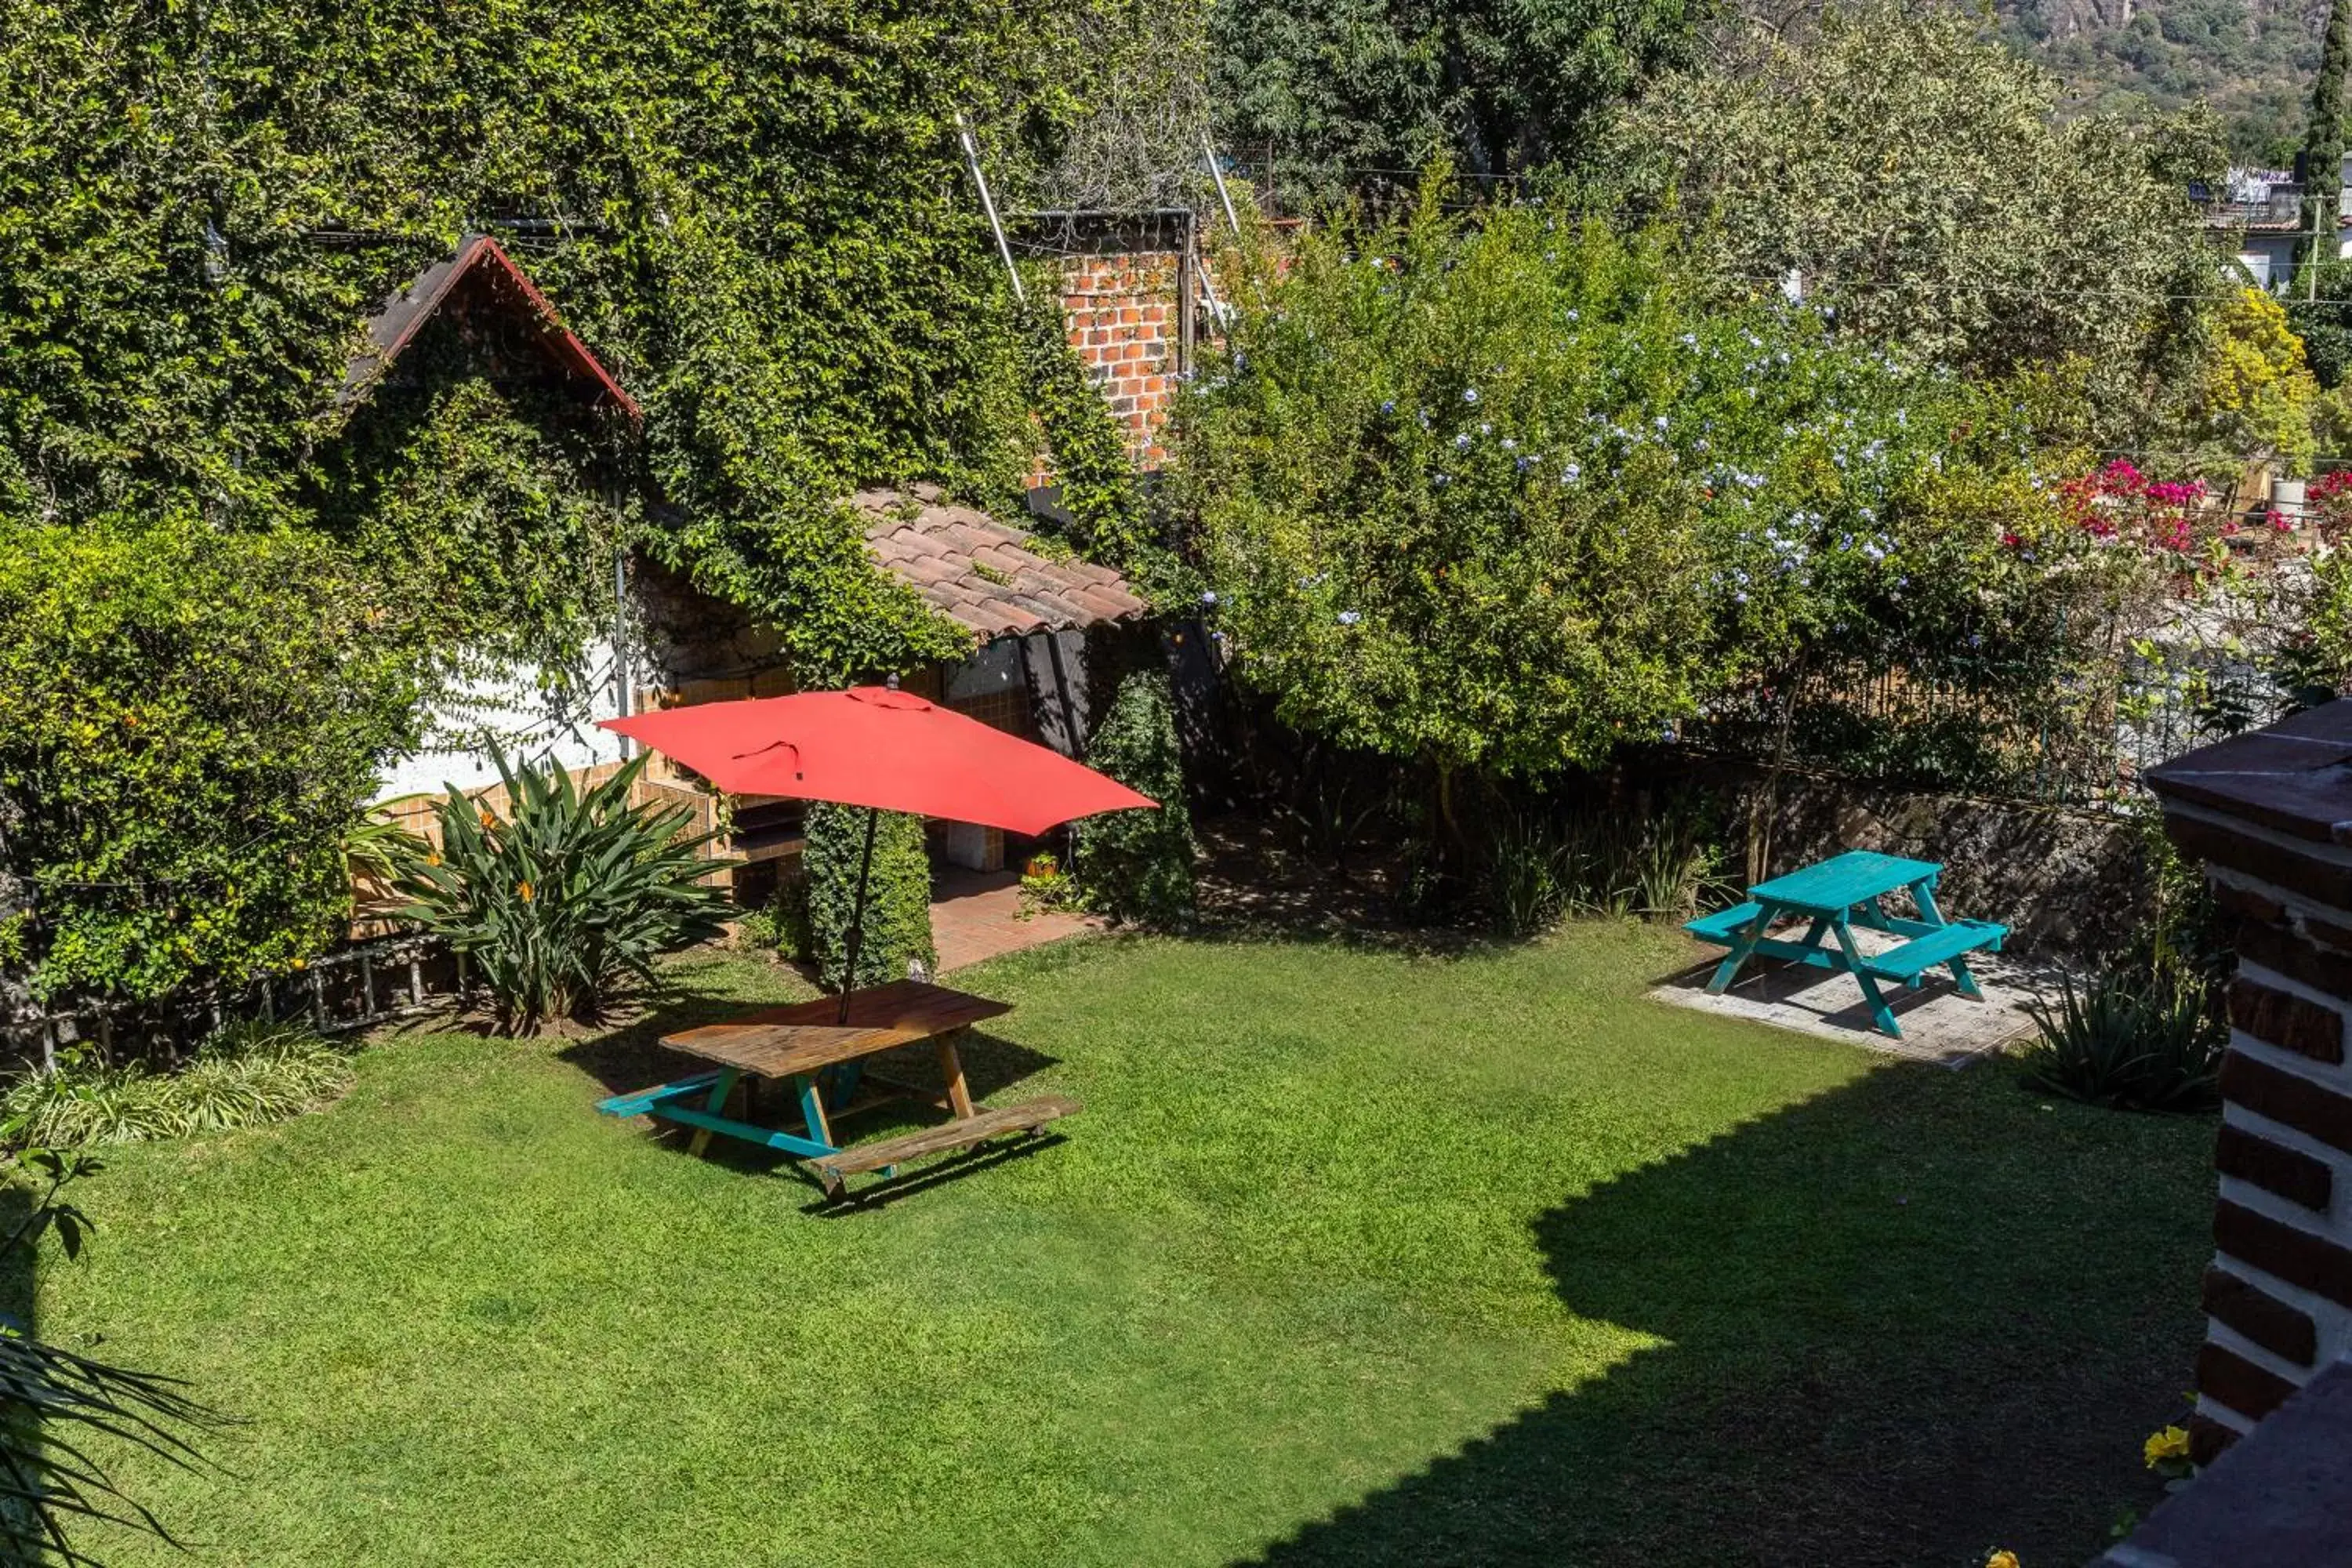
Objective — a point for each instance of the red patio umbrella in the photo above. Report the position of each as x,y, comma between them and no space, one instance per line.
883,748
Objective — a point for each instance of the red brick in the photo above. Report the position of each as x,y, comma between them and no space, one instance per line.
2285,1020
2295,958
2239,1383
2208,1439
2283,1331
2288,1098
2309,1262
2297,870
2292,1174
2248,904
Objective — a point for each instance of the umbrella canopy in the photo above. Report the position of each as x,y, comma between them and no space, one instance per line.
877,746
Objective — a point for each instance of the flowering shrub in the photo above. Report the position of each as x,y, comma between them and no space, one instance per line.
1502,496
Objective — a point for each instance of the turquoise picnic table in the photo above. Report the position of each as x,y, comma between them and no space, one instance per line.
1836,896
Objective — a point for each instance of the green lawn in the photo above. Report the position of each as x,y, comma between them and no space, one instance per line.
1354,1258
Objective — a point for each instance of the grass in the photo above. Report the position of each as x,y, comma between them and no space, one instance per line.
1354,1258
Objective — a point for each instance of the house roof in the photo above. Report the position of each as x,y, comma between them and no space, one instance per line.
480,263
984,572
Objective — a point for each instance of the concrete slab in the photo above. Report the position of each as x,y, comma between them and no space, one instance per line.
1939,1025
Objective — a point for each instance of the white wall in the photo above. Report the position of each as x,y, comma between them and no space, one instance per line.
511,708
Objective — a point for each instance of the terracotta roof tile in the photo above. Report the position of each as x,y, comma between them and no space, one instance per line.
983,572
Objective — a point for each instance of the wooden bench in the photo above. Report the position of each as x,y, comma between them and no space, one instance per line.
1943,944
887,1154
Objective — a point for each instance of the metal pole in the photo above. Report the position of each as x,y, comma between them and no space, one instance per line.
1210,149
857,913
988,204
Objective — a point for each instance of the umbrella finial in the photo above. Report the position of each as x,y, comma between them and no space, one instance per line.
892,683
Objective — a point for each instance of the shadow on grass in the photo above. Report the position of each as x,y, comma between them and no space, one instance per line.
1902,1323
632,1057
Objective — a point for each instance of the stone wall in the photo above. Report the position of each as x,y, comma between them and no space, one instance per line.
2269,816
2069,884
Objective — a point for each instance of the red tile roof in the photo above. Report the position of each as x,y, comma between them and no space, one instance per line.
480,258
984,574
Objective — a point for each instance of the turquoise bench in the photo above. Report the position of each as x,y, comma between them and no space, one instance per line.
1940,945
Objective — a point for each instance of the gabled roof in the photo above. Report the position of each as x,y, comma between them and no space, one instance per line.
480,264
984,574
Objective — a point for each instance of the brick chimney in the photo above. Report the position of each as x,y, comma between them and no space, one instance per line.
2270,815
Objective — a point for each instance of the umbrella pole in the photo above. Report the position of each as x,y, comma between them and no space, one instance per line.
856,934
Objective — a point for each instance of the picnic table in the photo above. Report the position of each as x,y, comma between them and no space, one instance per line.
825,1059
1836,895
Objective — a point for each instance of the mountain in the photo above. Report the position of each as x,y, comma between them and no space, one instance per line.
2252,60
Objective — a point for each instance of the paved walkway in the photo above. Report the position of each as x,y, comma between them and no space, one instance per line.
1939,1025
977,915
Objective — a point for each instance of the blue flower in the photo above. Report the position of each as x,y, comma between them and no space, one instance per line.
1390,406
1349,618
1572,473
1210,597
1462,442
1469,395
1439,481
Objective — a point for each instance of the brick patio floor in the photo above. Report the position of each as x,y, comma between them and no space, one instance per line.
977,915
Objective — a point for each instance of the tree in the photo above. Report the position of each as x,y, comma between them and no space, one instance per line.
2323,147
1363,93
1498,494
1906,171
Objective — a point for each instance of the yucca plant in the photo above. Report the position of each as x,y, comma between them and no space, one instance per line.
2142,1044
567,898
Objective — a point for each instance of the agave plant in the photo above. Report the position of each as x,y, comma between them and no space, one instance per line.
568,897
2145,1045
50,1397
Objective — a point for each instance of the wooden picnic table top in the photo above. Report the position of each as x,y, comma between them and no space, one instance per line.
778,1042
1845,880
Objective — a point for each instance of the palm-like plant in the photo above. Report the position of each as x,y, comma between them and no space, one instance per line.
48,1395
568,897
2140,1044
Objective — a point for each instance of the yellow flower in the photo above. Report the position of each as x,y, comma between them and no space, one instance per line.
433,859
299,964
2172,1443
2001,1560
524,890
488,820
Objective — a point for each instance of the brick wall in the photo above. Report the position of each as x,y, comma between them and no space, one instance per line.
1124,311
2270,815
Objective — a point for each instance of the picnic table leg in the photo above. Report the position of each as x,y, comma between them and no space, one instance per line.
1743,947
1879,1012
813,1109
951,1069
717,1105
1923,893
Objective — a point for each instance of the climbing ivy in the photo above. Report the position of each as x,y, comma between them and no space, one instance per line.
898,921
757,216
1100,491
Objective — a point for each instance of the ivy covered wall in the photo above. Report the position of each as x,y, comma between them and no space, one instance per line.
757,215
